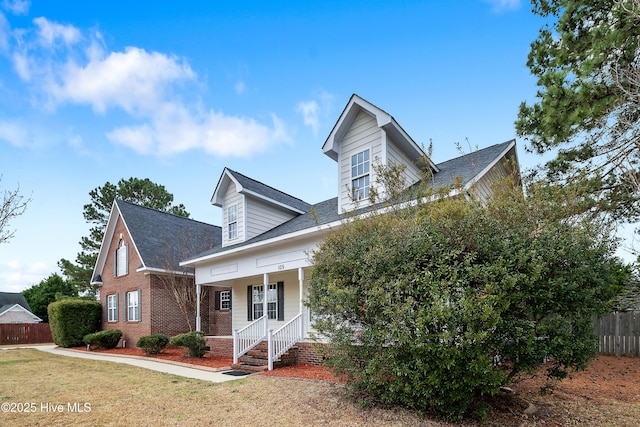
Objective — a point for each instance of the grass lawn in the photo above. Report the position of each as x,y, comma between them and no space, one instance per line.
119,394
50,390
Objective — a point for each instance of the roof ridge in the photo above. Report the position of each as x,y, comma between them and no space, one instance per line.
477,151
267,185
165,212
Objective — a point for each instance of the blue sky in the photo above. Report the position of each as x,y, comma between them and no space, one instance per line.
92,92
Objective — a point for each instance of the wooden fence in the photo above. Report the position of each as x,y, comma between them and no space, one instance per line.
25,333
619,333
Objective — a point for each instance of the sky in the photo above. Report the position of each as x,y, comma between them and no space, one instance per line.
95,92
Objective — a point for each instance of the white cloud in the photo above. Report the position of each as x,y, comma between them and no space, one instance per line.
133,80
501,6
4,33
49,32
17,7
65,66
14,133
315,111
240,87
309,111
18,276
175,129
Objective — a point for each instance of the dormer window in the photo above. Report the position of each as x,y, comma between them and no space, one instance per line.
232,221
360,175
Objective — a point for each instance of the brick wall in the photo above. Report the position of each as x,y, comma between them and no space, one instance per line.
132,330
220,346
307,353
166,316
220,320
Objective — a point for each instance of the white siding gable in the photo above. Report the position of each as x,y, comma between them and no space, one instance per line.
262,216
395,156
233,198
363,134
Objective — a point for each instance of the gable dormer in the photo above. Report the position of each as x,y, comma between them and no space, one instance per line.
365,136
249,207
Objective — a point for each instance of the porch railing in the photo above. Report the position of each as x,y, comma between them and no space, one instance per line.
248,337
284,338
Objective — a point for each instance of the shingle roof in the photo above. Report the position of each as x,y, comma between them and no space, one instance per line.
164,239
9,299
269,192
465,167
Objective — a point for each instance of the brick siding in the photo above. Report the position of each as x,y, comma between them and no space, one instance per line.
220,346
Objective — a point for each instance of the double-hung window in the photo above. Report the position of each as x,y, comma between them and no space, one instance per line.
112,308
133,306
275,301
360,165
232,221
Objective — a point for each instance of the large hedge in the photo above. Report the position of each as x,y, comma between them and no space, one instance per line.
72,319
434,307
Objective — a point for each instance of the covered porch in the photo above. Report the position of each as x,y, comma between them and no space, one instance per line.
275,320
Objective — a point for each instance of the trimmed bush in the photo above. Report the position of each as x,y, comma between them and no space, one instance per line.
72,319
153,344
103,339
194,341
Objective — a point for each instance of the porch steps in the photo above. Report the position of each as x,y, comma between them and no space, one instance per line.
257,359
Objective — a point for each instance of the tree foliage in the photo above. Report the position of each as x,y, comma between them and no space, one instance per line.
12,205
140,191
53,288
437,306
586,59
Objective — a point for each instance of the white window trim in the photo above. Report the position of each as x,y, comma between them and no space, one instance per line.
133,306
112,308
122,259
272,301
225,300
365,175
235,221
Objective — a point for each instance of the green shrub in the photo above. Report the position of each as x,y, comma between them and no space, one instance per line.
103,339
153,344
194,341
72,319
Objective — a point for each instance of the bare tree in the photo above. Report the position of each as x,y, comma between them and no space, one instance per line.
13,205
180,280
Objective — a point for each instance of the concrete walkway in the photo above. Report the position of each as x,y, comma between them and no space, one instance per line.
205,374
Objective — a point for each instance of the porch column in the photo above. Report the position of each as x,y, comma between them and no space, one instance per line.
198,308
300,284
265,287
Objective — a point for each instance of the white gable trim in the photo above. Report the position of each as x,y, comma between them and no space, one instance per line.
484,171
384,121
223,183
106,239
19,308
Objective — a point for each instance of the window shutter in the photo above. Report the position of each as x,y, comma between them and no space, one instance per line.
280,300
217,300
139,309
117,303
249,303
125,306
106,309
126,261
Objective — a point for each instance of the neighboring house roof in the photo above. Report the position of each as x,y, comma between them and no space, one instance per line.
467,168
6,309
246,185
12,298
161,239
